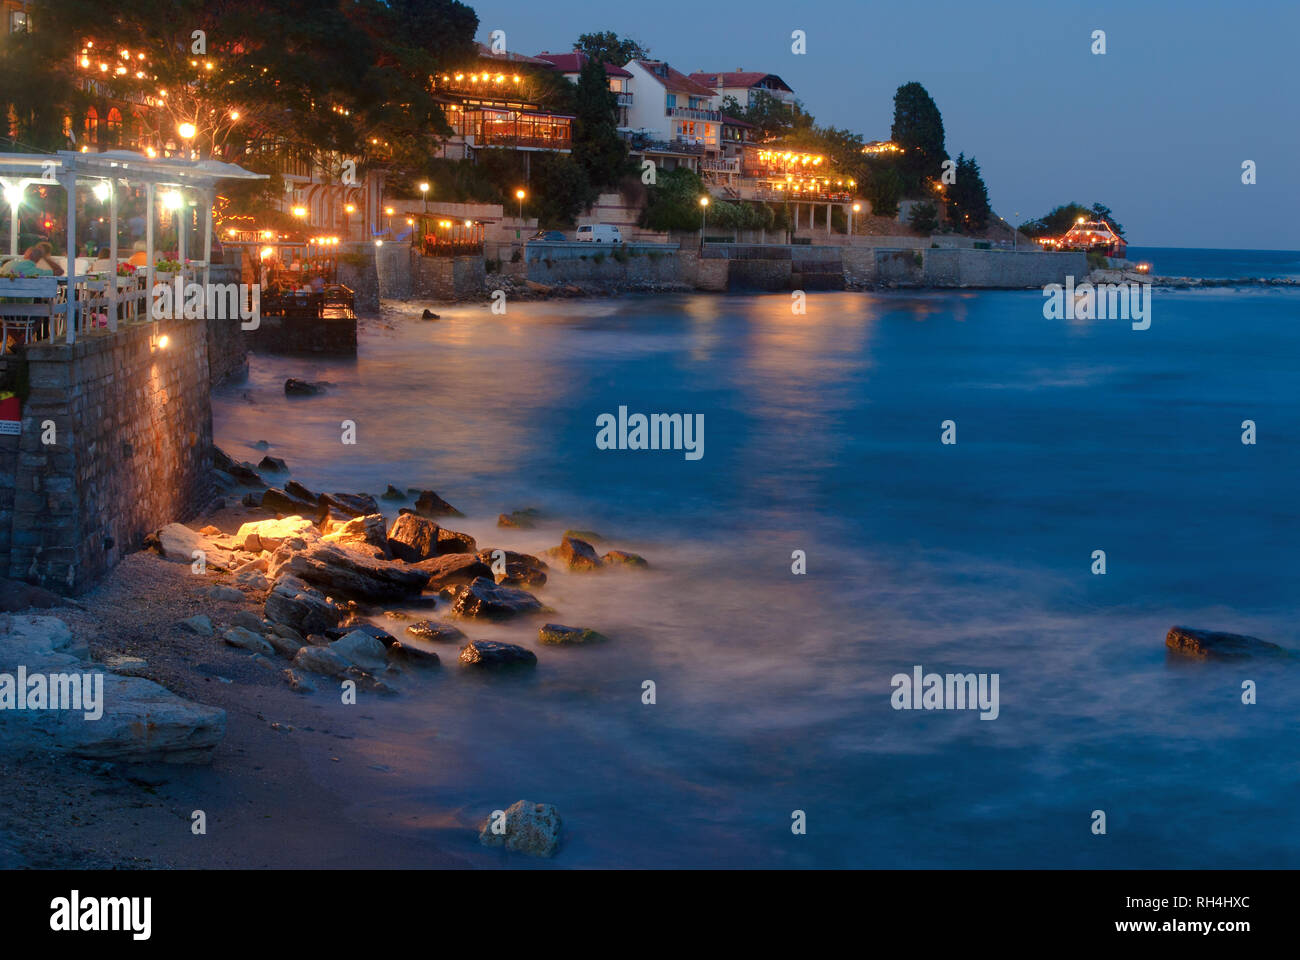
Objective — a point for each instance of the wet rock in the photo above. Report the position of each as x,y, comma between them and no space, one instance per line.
1214,645
453,568
555,634
295,604
367,681
252,500
520,575
321,660
510,556
413,538
487,600
299,492
199,624
576,554
524,519
392,493
405,653
449,541
591,536
345,573
293,387
350,504
247,640
379,633
243,473
527,827
429,504
620,558
274,464
493,653
429,315
435,632
286,631
362,649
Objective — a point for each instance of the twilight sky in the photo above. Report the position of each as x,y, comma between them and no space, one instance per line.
1157,128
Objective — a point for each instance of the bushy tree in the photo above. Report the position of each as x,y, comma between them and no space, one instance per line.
918,129
1062,218
924,218
884,188
608,47
673,203
560,190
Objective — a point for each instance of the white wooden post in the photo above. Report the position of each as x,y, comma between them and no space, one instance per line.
112,255
70,275
148,247
21,187
208,198
180,215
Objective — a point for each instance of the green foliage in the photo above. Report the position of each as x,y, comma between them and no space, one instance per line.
560,190
968,198
918,129
1062,218
674,202
883,186
739,216
924,218
609,47
597,145
773,118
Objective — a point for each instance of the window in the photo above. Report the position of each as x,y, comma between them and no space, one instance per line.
91,127
114,127
18,21
670,99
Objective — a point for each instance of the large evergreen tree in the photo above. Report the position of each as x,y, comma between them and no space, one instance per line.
597,146
918,129
968,198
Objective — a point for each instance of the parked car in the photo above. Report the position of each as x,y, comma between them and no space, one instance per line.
599,233
548,235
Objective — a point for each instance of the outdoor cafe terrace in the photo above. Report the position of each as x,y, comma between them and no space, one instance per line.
96,294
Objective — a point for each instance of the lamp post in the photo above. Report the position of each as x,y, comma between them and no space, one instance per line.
704,216
424,195
348,210
388,212
519,195
187,133
854,209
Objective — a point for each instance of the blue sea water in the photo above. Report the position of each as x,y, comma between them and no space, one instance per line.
1219,264
822,434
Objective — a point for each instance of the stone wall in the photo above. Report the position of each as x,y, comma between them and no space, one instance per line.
1001,268
446,278
652,266
133,449
227,348
357,270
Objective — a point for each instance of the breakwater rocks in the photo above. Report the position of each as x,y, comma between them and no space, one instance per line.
322,564
1188,283
1215,645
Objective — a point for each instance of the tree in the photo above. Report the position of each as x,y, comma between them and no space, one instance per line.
673,203
1062,218
1102,212
560,190
884,188
918,129
968,198
597,146
609,47
924,218
773,118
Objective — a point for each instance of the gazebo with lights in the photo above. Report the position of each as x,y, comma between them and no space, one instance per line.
172,182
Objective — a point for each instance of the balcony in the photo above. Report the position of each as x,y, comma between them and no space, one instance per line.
624,99
690,113
726,165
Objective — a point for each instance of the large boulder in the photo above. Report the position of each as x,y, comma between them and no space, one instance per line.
262,535
449,541
434,632
413,538
293,603
284,503
364,533
131,719
452,569
178,542
321,660
247,640
556,634
621,558
493,653
345,573
350,504
576,554
361,648
16,595
527,827
429,504
485,599
1214,645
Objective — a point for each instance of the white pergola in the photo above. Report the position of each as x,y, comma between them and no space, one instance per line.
68,168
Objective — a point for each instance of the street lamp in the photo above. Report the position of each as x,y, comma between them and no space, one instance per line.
856,208
704,215
424,195
187,133
348,210
388,212
519,195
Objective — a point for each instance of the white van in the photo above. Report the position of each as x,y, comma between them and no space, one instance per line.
599,233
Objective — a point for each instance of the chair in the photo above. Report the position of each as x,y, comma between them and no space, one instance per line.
26,303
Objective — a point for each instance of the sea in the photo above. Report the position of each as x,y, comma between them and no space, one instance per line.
828,541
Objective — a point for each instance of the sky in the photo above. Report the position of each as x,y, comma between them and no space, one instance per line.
1157,128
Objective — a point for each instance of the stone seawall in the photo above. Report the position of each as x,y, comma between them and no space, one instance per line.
131,425
227,347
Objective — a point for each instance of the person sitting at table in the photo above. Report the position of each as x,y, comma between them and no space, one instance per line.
30,264
47,251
